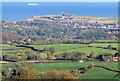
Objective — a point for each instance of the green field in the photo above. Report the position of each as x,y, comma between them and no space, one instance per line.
95,73
7,65
13,51
112,65
59,47
107,40
63,66
98,73
6,49
105,44
10,47
3,45
88,50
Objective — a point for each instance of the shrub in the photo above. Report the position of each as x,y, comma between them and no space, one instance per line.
27,73
58,74
42,56
90,66
76,72
85,69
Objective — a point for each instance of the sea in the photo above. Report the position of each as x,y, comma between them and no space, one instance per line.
18,11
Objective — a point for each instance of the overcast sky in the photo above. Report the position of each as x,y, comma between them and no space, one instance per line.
60,0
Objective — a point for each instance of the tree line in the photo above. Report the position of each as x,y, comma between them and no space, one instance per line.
52,32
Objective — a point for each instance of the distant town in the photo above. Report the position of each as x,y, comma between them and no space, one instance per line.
59,27
69,19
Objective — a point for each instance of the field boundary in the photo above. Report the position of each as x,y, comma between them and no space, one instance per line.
107,68
32,48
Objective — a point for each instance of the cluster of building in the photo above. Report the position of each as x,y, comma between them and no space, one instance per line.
51,17
82,24
68,20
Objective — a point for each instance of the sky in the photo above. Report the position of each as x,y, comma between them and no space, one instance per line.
60,0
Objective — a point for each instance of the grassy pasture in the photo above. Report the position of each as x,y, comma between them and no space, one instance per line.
7,65
8,47
4,45
106,40
105,44
60,47
11,49
98,73
112,65
63,66
88,50
95,73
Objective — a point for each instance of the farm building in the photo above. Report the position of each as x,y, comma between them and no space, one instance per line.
80,60
116,59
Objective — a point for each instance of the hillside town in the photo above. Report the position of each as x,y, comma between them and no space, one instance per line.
80,26
76,21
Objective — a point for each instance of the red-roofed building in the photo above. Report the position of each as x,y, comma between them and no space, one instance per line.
109,32
116,59
9,42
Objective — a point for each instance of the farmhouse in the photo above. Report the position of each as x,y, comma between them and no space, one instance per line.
9,42
80,60
116,59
